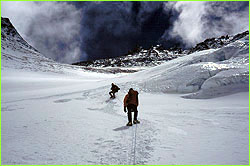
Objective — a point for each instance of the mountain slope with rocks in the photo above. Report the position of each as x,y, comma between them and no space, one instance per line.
140,58
17,54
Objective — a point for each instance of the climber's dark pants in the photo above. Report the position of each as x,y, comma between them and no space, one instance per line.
132,108
112,94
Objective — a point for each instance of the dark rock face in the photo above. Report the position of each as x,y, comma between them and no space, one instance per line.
9,28
240,35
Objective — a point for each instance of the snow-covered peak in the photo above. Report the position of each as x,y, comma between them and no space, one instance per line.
10,35
18,55
217,42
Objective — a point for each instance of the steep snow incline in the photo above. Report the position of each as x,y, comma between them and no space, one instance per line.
17,54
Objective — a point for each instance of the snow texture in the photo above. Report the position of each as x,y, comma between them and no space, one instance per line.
61,114
204,74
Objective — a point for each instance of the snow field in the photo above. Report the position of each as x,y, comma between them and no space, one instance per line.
87,128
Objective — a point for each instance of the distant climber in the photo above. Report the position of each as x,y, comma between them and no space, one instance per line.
114,89
131,102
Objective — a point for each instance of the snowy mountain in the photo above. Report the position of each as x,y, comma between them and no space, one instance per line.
204,74
58,114
157,55
16,53
217,42
138,57
10,36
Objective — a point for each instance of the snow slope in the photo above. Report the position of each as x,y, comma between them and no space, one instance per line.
61,114
204,74
17,54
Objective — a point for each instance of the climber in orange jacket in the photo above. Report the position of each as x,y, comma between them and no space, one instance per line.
131,102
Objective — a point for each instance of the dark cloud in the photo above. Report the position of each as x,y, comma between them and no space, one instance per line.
107,30
74,31
112,29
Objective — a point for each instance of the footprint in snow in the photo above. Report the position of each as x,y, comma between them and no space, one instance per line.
121,128
62,101
80,98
